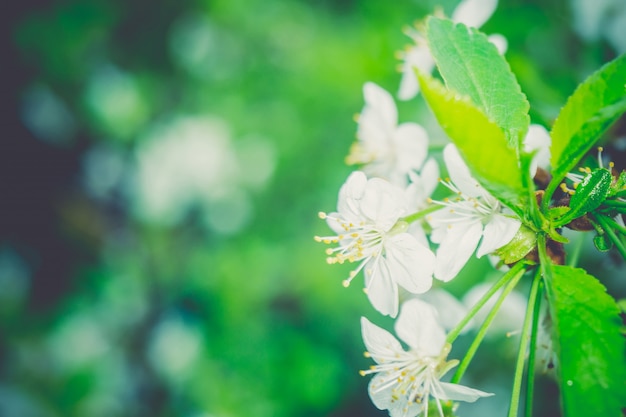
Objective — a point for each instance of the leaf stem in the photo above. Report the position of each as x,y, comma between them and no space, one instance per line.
614,203
512,282
530,373
544,259
550,189
454,333
619,245
616,225
523,345
422,213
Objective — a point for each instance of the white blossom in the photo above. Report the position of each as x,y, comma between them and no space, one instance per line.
385,148
472,13
371,232
472,216
405,380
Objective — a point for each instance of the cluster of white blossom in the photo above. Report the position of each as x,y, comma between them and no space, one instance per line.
402,240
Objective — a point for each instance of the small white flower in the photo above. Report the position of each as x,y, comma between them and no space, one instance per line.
538,139
472,13
385,148
370,231
473,216
406,379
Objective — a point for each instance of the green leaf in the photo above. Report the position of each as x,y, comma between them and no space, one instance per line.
479,140
471,65
588,113
589,195
589,344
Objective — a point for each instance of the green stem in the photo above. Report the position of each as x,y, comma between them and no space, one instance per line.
614,203
609,231
530,377
454,333
422,213
616,225
544,259
485,326
550,189
535,213
523,344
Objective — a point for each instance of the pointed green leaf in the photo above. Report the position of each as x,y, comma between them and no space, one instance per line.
590,194
471,65
588,113
479,140
589,344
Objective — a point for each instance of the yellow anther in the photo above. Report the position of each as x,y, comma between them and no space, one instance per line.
329,251
362,373
322,215
367,354
345,283
317,238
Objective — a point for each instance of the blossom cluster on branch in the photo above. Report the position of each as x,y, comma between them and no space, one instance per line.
407,231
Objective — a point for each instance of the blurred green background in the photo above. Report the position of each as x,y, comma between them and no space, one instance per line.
162,166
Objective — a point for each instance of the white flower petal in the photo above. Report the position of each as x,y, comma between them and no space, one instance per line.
380,106
379,342
411,146
456,392
460,173
350,195
383,203
421,186
474,13
449,309
510,317
538,139
456,248
411,265
430,176
416,56
382,291
417,326
386,399
500,42
497,233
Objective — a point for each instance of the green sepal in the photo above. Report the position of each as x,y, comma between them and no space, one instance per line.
556,212
522,243
619,185
602,242
589,195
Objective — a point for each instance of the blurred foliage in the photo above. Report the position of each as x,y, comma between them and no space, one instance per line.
162,167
